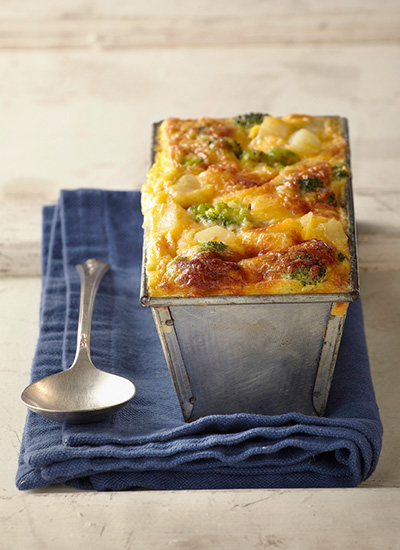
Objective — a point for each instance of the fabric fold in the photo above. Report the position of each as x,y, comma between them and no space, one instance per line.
147,444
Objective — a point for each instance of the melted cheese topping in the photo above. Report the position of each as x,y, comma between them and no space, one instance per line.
252,205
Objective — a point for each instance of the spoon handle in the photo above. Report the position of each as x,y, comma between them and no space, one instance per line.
91,273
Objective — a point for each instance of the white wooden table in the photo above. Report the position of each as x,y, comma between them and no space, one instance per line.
81,83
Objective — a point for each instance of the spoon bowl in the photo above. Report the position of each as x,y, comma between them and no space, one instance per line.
78,395
81,393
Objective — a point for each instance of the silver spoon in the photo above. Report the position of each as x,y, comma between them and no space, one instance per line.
82,393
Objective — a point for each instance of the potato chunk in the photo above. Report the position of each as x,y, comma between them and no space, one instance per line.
304,142
218,233
272,126
189,189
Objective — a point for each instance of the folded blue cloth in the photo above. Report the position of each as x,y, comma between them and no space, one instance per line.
147,444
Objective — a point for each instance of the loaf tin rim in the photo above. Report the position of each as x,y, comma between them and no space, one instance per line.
348,296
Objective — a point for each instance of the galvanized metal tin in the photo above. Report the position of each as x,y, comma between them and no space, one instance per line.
269,354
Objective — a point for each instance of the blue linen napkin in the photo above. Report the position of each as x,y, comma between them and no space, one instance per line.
147,444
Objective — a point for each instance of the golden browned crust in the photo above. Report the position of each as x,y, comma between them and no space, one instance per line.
232,207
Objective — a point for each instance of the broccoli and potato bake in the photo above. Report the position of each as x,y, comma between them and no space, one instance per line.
251,205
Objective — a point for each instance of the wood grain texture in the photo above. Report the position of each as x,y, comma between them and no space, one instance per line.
207,520
150,32
79,9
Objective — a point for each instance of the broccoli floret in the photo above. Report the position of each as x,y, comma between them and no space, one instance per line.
252,156
309,184
340,171
229,143
220,213
302,274
277,157
190,160
213,246
331,199
247,121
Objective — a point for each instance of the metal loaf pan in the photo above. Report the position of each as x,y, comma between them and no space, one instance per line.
269,354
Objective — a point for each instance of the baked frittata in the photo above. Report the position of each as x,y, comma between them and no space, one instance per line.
247,205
